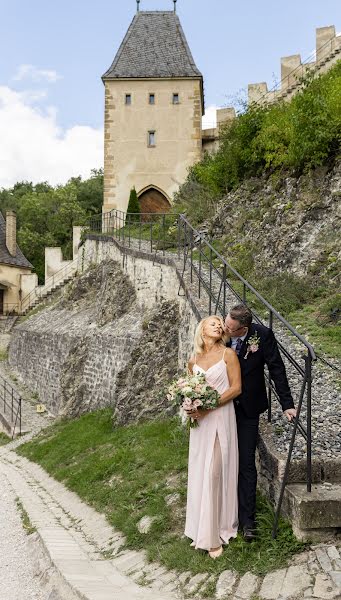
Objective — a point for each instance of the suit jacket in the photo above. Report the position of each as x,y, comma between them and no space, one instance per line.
253,399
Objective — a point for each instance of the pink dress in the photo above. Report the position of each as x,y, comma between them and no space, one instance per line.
212,500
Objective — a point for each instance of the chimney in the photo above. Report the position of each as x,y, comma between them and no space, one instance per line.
11,232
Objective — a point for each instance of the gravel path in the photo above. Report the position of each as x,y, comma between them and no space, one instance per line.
17,580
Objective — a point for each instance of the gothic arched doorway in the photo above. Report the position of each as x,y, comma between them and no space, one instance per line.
153,201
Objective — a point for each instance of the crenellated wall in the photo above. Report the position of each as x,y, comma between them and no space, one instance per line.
328,51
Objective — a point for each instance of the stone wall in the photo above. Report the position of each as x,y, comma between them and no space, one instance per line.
153,282
72,352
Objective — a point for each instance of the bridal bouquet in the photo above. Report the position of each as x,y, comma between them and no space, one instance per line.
191,392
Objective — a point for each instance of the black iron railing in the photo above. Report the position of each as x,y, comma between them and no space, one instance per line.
152,231
11,405
218,284
40,292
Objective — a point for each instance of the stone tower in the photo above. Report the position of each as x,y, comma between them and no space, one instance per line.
153,108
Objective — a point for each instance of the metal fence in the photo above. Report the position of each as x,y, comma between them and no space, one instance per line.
11,405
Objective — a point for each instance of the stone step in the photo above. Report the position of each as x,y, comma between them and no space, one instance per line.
319,509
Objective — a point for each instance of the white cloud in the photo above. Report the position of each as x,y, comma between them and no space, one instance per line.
209,119
33,147
34,74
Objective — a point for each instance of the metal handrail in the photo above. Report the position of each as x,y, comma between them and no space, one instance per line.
38,291
198,258
12,404
251,288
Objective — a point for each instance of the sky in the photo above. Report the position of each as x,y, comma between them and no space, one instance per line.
54,53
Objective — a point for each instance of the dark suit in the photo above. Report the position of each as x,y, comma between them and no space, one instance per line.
249,405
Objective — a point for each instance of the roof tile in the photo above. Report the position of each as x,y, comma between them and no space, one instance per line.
154,46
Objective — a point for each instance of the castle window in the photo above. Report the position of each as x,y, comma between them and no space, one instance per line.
151,98
176,99
128,99
151,139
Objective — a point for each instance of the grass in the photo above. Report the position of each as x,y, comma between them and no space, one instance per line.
127,473
325,337
4,439
27,525
3,355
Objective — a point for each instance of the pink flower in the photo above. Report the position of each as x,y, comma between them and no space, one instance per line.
253,348
197,403
198,388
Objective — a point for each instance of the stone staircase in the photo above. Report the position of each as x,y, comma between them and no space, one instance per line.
319,66
53,283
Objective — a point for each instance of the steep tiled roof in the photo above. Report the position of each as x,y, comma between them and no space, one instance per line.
154,46
6,258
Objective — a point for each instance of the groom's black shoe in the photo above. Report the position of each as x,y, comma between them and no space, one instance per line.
249,534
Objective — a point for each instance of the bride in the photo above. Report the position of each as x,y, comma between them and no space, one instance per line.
212,503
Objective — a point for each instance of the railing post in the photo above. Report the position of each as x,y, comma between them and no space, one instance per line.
191,241
151,236
308,364
164,233
210,287
199,279
179,235
129,221
185,237
224,291
269,389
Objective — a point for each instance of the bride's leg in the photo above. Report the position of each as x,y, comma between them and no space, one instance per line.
216,494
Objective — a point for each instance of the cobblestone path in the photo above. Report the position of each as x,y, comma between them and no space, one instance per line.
17,569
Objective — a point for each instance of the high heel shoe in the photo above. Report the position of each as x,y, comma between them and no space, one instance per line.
216,553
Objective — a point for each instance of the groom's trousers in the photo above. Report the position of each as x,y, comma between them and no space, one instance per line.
247,480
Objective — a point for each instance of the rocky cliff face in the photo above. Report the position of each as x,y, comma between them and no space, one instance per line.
96,347
140,387
284,224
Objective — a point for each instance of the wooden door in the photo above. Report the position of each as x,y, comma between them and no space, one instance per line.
153,201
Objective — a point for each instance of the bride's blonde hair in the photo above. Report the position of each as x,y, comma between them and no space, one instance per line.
199,342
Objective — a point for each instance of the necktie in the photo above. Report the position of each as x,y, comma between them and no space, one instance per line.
239,345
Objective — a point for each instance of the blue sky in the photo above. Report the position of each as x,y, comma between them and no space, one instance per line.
54,53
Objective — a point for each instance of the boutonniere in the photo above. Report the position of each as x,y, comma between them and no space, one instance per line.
252,344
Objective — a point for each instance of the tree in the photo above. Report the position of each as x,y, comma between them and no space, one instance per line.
134,206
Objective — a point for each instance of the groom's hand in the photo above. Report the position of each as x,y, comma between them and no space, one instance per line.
290,413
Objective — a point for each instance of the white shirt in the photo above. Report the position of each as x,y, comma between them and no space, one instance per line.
235,339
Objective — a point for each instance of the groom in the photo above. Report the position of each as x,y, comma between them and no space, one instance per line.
256,347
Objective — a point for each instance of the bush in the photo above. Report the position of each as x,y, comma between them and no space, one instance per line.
286,292
330,310
299,135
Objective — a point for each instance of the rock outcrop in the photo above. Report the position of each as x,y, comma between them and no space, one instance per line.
284,223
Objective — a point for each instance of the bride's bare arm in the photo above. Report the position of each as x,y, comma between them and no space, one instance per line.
234,376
